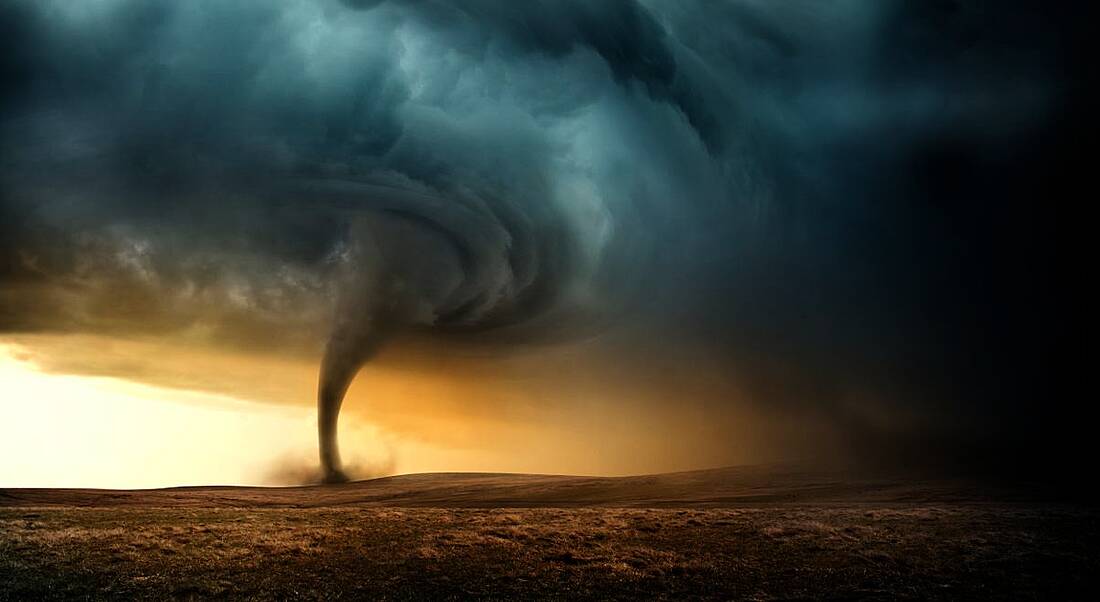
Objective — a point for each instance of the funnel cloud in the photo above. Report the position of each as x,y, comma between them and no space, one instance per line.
842,217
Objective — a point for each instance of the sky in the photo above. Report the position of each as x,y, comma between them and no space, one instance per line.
595,238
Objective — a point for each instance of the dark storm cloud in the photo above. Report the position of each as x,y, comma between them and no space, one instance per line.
841,202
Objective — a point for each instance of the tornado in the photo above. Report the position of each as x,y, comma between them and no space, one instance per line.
419,258
349,347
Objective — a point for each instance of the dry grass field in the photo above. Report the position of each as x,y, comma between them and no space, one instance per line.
753,533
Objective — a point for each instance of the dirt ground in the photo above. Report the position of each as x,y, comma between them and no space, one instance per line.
828,551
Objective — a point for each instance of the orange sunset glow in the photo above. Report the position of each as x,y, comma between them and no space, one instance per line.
140,413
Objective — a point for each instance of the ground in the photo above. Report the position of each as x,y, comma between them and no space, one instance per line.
445,536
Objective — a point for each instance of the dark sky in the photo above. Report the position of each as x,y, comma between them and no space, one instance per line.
850,210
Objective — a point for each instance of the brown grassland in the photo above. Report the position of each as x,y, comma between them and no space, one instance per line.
456,537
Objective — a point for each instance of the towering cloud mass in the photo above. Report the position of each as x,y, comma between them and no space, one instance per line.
838,210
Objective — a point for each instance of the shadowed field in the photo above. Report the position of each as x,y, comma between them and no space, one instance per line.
741,533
